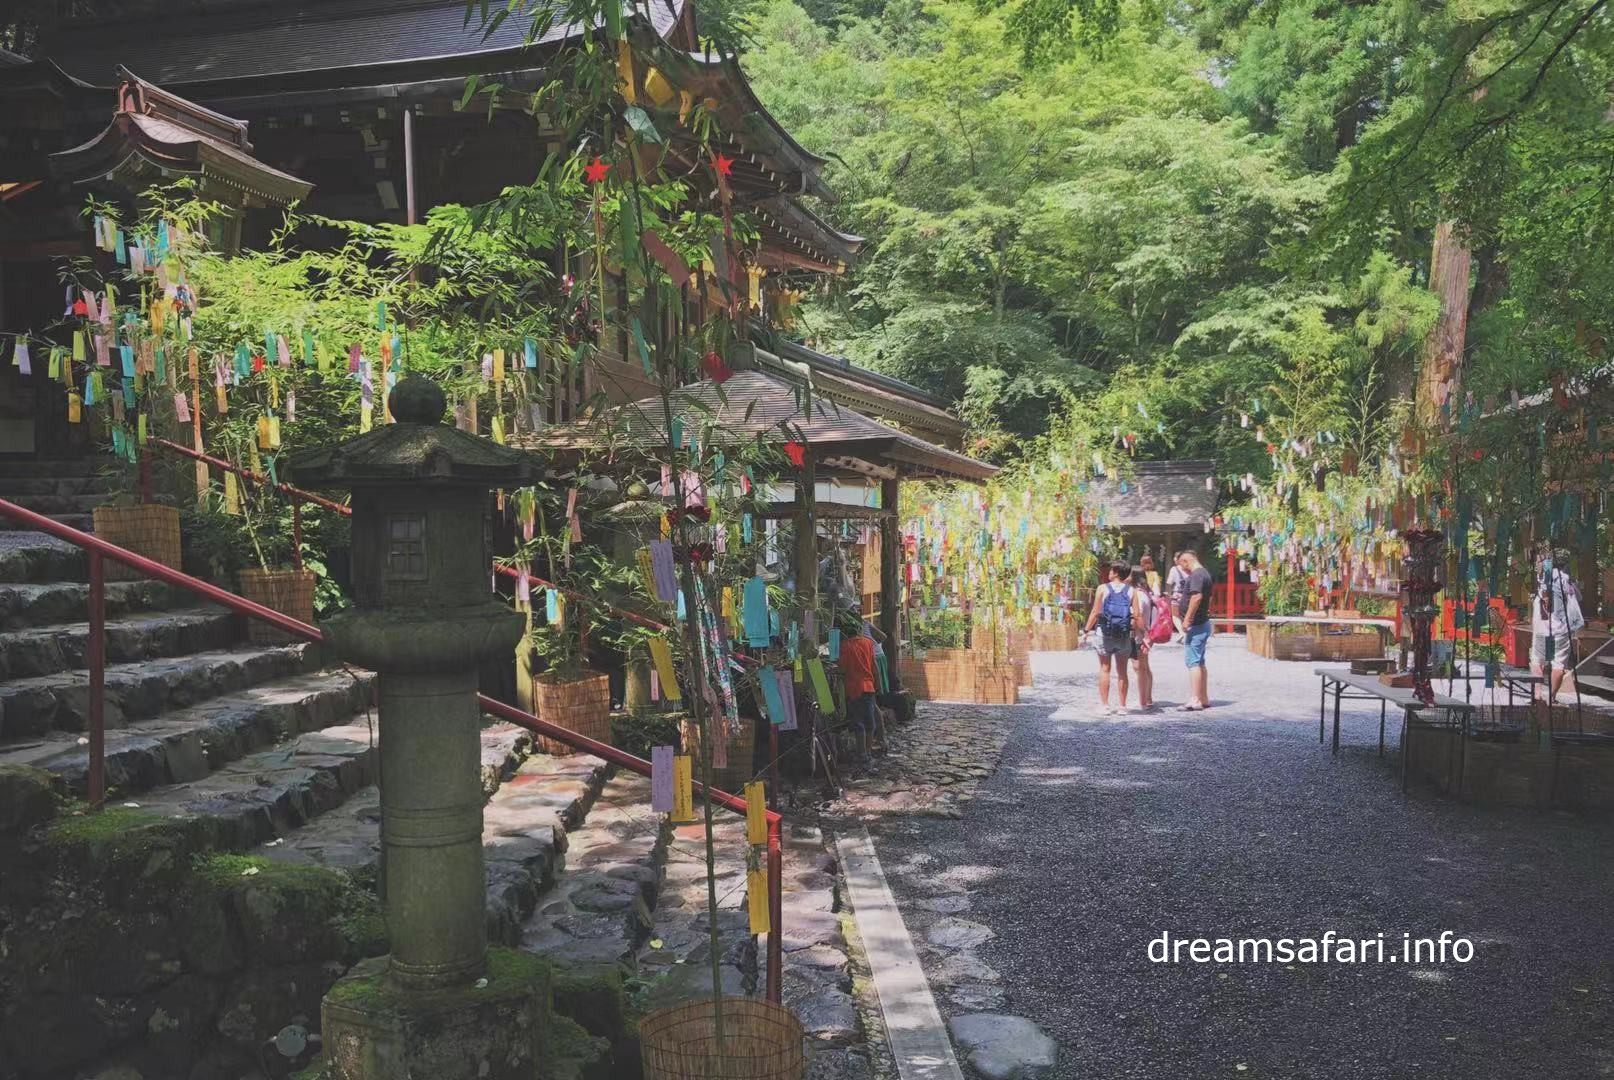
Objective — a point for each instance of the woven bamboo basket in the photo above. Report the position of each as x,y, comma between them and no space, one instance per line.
742,742
740,745
581,705
147,529
290,592
761,1041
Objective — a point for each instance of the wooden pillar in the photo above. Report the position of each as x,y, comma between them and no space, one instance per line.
807,535
890,574
1232,578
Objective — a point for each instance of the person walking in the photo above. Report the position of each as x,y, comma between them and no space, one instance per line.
1554,618
1195,615
1151,576
1153,626
1115,612
857,667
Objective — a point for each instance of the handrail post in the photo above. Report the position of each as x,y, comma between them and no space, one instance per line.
297,531
775,914
97,663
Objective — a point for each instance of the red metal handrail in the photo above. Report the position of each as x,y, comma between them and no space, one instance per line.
299,495
99,550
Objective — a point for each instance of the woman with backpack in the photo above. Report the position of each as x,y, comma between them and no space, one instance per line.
1154,626
1116,612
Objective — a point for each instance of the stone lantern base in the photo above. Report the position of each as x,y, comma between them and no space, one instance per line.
373,1031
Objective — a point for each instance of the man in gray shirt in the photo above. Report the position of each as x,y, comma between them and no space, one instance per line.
1194,611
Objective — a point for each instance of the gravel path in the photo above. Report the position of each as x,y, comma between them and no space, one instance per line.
1098,833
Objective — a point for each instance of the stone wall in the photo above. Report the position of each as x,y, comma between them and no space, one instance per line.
126,943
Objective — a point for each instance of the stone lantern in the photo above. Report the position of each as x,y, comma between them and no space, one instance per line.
423,619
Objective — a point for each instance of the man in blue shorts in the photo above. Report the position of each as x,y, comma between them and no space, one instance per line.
1196,627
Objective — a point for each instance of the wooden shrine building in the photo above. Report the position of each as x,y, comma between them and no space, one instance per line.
768,402
354,110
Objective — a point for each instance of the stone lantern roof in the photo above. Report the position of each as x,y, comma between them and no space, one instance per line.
418,449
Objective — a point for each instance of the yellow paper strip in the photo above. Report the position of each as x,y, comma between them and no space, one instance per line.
232,495
756,899
75,408
756,813
683,812
662,656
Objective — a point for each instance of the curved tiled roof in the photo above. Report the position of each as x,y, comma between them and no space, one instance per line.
343,37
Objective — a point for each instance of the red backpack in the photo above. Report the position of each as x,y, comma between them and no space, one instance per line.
1161,629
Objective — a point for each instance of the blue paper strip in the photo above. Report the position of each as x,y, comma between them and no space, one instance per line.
754,612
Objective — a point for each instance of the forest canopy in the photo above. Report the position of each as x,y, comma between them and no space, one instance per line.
1146,219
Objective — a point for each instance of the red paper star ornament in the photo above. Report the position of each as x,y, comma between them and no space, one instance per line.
596,171
796,452
723,164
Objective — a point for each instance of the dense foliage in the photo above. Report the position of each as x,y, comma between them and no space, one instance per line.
1207,229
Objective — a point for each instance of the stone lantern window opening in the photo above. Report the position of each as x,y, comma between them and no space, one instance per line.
406,547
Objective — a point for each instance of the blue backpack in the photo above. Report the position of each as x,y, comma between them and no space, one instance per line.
1115,614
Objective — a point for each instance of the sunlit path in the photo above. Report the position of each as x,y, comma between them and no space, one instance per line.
1097,834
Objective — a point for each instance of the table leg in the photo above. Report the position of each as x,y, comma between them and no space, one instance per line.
1406,747
1322,710
1382,706
1336,721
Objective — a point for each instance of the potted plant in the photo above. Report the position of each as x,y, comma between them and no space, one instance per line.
277,581
567,692
149,529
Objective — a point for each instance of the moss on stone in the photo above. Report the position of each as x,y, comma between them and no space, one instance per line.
366,933
507,970
508,967
570,1052
358,991
117,824
316,1071
229,871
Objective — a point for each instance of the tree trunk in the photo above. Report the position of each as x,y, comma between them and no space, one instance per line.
1440,373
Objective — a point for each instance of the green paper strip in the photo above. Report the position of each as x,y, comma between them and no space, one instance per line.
815,671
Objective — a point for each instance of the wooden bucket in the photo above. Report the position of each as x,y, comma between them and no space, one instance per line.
290,592
761,1041
147,529
582,705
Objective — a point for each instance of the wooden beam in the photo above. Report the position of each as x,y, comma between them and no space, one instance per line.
830,511
890,575
805,515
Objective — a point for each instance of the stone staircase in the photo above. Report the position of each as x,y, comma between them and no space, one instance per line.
66,490
217,750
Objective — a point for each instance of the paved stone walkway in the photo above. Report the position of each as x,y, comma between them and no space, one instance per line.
1039,895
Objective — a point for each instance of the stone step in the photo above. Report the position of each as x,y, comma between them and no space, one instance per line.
82,522
57,467
13,486
270,794
33,556
675,960
42,650
25,604
134,691
57,503
190,743
348,839
600,907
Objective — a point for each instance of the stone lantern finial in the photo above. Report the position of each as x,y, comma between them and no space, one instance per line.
417,400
